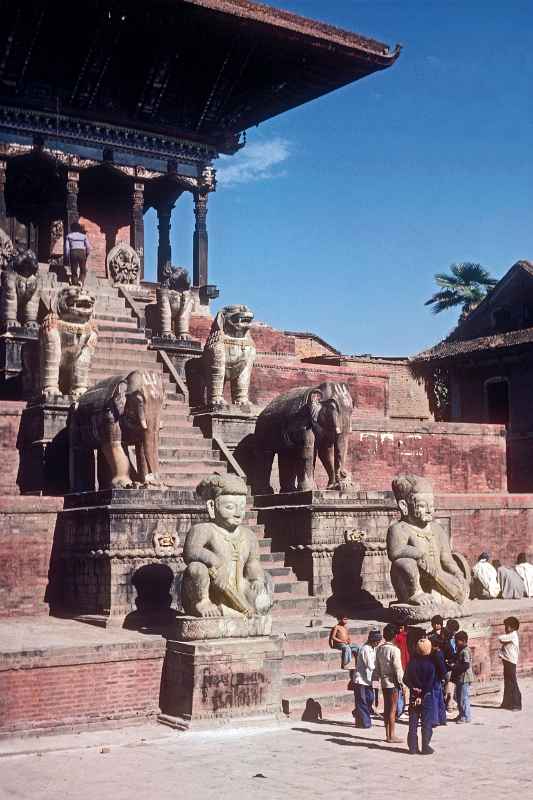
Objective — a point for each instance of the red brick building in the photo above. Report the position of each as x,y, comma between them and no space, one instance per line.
487,364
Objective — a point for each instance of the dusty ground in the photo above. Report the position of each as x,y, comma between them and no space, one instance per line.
490,759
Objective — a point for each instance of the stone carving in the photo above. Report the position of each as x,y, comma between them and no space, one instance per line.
299,425
224,576
229,354
116,413
174,303
67,342
425,574
123,264
6,249
19,298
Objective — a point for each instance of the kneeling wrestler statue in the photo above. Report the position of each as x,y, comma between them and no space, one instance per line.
423,568
224,576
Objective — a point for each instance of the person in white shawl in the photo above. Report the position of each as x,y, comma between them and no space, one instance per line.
525,570
485,584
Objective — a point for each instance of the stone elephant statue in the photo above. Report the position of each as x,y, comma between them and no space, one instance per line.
113,414
300,425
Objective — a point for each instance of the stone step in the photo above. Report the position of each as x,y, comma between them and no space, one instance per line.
329,682
316,640
281,572
123,328
269,560
265,544
179,451
294,605
288,589
190,466
307,663
133,342
186,436
185,480
330,704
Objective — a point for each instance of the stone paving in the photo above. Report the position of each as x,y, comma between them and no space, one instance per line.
490,759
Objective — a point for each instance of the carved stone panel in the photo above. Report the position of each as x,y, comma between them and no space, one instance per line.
123,264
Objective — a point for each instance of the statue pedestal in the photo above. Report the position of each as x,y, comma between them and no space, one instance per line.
117,556
190,629
180,352
221,681
336,541
43,447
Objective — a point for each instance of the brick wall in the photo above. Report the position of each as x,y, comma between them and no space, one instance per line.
10,416
78,686
455,457
502,524
27,527
98,243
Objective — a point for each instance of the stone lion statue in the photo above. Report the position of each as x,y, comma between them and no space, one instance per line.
174,303
67,342
19,295
229,355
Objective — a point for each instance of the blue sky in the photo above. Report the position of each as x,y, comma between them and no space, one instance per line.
336,215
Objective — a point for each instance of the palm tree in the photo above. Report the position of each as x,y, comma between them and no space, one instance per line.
465,286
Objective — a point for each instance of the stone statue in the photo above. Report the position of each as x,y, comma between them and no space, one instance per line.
224,576
6,249
115,413
299,425
67,343
123,264
19,298
424,571
174,303
229,354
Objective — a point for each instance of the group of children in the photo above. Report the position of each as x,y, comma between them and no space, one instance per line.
435,667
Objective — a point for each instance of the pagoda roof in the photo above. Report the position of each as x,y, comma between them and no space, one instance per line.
202,71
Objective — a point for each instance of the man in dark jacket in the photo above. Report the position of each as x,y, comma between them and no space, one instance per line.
420,678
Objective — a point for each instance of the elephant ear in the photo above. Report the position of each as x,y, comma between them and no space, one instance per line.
118,398
314,403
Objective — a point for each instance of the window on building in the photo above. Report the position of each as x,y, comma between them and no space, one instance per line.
497,393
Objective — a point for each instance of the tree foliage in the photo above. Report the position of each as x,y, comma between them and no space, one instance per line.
465,285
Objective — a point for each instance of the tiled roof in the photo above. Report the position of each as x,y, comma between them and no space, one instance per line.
452,348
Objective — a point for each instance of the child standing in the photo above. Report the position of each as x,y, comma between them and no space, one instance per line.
389,671
420,678
364,693
450,652
462,676
512,698
339,639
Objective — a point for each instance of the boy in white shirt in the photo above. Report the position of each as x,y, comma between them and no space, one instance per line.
364,675
512,699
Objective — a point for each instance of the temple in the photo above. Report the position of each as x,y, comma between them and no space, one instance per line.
186,497
83,137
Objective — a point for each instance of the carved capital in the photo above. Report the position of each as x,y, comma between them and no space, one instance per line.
200,208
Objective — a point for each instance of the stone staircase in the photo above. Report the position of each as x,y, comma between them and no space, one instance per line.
310,668
185,456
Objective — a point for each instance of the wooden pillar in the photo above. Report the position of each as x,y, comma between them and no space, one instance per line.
137,223
199,251
73,178
3,211
164,250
